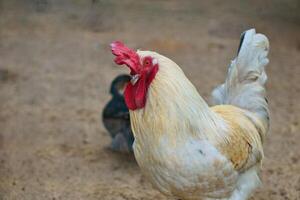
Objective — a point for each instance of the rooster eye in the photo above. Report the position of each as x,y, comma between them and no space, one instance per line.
147,62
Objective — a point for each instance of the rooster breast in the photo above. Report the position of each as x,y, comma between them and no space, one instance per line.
192,170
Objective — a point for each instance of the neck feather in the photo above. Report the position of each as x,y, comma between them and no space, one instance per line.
175,109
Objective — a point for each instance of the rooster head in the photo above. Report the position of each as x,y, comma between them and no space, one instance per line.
142,71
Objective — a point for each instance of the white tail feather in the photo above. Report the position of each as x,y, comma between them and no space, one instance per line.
244,85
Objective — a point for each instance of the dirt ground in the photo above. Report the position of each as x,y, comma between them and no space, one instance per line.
56,68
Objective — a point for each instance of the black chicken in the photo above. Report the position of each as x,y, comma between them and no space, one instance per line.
115,116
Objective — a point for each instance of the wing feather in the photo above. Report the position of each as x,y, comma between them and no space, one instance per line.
244,146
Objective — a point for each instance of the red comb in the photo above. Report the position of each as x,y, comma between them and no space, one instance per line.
125,55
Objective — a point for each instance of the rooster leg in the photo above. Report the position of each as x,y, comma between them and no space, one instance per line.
248,181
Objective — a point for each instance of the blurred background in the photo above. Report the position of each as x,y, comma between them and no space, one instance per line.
56,68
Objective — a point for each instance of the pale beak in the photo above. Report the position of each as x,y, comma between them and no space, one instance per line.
134,79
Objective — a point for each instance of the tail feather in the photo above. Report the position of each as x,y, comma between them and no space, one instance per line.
244,85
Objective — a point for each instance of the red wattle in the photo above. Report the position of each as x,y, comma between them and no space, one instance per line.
129,96
141,91
136,95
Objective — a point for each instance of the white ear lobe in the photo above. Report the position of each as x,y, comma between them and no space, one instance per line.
154,61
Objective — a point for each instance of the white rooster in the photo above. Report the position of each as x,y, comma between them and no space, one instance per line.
187,149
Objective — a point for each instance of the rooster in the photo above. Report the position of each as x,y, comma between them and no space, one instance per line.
187,149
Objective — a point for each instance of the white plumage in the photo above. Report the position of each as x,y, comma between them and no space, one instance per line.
191,151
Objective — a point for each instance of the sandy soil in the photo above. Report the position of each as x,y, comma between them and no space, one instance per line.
56,67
